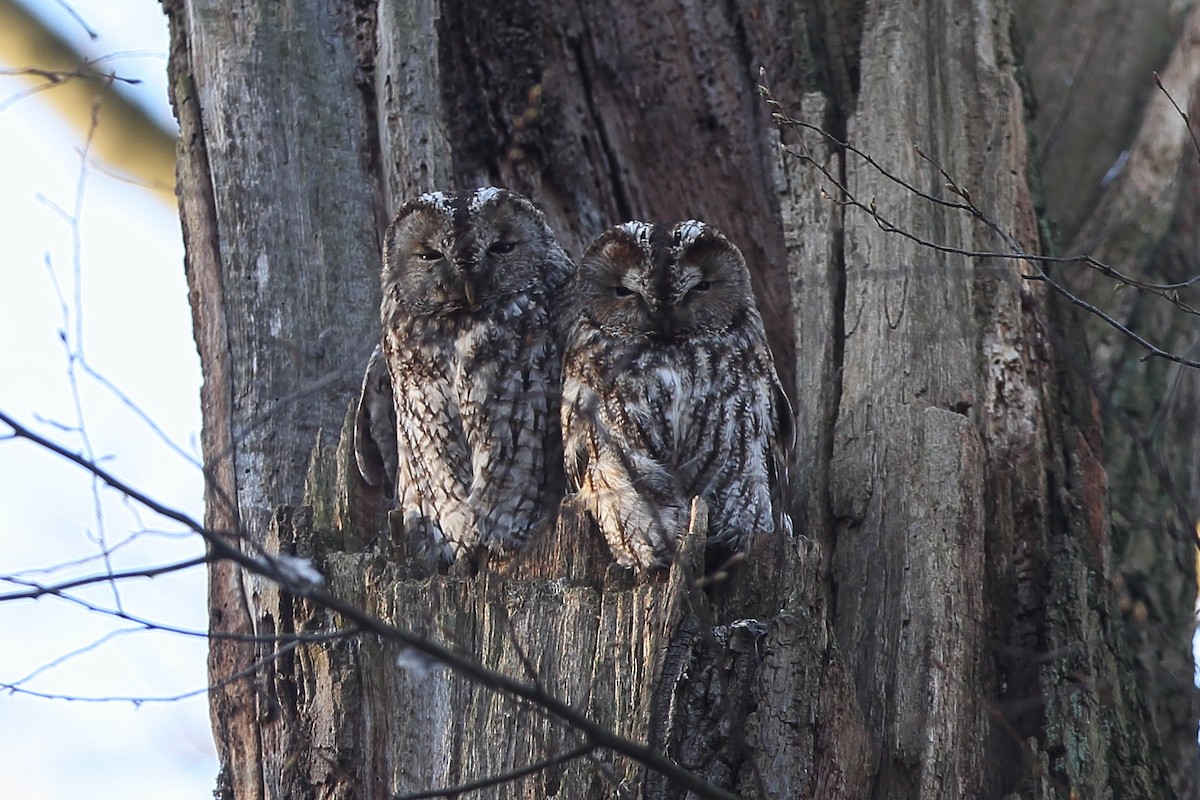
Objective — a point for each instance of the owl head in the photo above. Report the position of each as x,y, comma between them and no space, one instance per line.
667,281
445,253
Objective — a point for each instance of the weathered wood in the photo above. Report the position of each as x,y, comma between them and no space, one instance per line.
1142,222
939,396
941,623
814,240
652,660
281,244
234,726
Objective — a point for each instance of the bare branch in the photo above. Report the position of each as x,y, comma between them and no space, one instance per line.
58,76
76,16
273,568
782,119
508,777
161,627
73,344
86,560
1168,292
37,590
137,701
1068,104
526,662
1187,122
65,657
130,139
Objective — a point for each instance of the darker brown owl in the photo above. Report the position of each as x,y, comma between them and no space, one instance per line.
670,392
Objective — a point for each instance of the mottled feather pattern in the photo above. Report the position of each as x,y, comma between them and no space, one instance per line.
666,389
471,347
670,392
474,418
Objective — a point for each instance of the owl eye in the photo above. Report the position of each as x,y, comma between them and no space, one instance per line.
622,291
428,255
702,286
501,247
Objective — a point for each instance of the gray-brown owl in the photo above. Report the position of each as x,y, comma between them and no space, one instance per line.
670,392
460,404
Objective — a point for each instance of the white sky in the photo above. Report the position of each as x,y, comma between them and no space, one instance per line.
137,333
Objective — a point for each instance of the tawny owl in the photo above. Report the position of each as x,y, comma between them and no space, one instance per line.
460,404
670,392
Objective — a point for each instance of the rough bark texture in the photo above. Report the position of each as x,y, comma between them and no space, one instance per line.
281,233
943,625
1140,219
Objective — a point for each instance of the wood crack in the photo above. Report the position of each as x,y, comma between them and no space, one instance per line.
611,162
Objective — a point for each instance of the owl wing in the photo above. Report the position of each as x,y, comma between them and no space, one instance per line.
375,426
507,395
576,454
579,412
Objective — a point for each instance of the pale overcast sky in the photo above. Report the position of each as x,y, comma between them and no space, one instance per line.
137,333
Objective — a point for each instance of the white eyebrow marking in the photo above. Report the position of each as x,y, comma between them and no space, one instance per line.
436,199
482,197
687,231
639,231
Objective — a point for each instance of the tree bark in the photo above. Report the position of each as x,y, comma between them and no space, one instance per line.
1139,218
942,625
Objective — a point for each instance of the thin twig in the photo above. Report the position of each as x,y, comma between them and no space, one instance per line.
37,590
270,567
1073,86
54,79
162,627
784,120
86,560
79,651
526,662
847,198
252,669
76,16
1187,121
55,76
508,777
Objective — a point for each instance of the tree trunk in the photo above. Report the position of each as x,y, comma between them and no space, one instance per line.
1134,206
944,623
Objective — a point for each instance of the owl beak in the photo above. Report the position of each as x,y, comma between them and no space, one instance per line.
664,324
469,293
